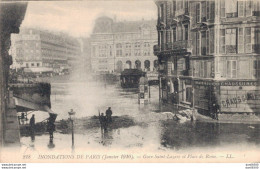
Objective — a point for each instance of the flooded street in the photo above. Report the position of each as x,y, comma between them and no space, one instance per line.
149,129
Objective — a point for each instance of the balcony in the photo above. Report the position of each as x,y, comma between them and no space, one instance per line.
179,47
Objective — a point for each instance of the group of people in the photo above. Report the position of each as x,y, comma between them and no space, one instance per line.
105,120
50,125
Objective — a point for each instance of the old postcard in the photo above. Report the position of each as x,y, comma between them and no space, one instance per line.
172,81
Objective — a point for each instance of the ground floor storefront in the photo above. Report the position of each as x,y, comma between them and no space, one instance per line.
231,96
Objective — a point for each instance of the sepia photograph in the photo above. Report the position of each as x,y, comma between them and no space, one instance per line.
130,81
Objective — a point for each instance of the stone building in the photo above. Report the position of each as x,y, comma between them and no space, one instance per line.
209,52
119,45
37,48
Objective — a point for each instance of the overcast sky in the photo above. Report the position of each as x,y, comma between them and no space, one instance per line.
77,17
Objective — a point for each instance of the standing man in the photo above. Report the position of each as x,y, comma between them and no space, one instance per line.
103,121
32,124
109,115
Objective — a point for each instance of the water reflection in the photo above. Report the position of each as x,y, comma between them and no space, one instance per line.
51,145
202,134
106,137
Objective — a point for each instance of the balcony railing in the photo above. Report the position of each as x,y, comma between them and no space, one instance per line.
184,44
231,15
175,46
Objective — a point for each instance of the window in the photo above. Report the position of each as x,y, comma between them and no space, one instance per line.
38,64
222,41
231,8
201,71
168,36
222,9
186,32
203,43
203,11
231,69
248,8
231,41
211,40
240,5
32,64
240,40
248,43
198,12
174,35
198,43
162,11
208,10
207,42
256,69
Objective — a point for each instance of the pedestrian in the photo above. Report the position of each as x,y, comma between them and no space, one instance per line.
32,124
109,115
50,128
216,111
103,121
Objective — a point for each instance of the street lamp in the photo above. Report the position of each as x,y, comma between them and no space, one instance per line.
72,116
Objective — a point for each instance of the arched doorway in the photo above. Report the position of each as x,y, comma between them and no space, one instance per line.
138,64
119,66
128,64
155,64
147,65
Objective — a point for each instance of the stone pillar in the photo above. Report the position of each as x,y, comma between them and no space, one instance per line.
11,17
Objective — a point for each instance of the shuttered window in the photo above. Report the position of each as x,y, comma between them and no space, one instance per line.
197,43
222,42
248,44
222,9
256,68
212,9
174,35
198,12
248,8
240,8
208,9
203,43
211,40
207,42
257,41
240,40
203,11
201,71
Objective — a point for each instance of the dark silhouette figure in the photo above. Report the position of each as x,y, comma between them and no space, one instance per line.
109,115
103,122
32,124
216,110
51,125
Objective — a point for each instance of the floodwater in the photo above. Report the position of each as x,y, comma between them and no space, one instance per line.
152,130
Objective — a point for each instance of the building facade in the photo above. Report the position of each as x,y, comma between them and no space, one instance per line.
209,52
37,48
121,45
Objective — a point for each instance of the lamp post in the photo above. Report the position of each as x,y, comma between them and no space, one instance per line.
72,116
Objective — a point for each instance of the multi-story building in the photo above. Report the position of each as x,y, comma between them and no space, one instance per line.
209,52
119,45
37,48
